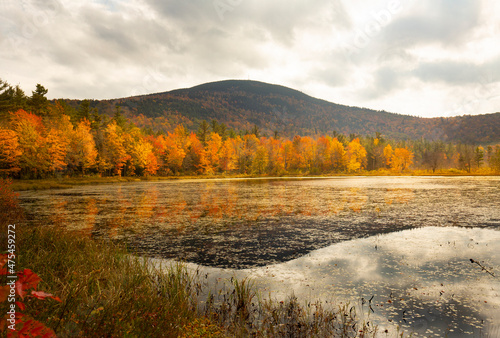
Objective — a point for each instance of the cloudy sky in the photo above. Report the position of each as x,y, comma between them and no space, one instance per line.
417,57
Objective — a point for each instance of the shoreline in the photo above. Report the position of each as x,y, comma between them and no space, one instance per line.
69,182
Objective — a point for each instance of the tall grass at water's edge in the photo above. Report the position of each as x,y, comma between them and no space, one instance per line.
107,292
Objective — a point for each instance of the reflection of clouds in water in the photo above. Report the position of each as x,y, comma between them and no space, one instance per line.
443,244
424,272
244,223
262,221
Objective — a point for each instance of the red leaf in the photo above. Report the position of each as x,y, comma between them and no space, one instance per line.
41,295
21,306
27,280
4,271
33,328
20,291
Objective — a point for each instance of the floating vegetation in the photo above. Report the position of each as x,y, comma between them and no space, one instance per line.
398,248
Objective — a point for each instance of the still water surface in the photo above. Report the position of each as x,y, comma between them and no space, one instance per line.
406,241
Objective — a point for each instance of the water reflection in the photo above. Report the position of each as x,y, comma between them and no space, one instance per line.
421,280
342,237
244,223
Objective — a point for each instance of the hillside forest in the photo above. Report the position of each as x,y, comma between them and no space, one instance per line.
41,138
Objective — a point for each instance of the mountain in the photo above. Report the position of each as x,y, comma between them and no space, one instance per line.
241,104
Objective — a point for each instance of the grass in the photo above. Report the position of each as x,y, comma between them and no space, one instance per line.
68,182
106,292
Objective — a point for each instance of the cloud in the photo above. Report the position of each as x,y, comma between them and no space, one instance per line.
459,73
115,48
443,22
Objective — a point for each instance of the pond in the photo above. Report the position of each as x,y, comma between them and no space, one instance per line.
421,253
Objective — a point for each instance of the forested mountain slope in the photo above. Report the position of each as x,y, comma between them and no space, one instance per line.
241,104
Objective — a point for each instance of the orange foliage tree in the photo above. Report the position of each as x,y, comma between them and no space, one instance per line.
401,159
10,152
114,155
82,152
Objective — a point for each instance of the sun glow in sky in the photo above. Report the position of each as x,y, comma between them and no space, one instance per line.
425,58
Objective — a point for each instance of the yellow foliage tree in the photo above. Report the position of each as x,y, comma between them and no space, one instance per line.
401,159
338,155
82,149
227,159
260,161
388,153
114,155
356,156
213,148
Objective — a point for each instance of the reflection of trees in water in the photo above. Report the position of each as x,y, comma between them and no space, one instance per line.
59,214
227,205
147,203
90,219
232,216
398,195
356,199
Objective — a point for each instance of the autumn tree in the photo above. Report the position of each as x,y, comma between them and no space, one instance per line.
323,150
309,152
56,148
10,153
275,155
195,159
401,159
212,150
338,155
356,156
249,145
30,132
287,154
141,157
228,158
260,161
114,155
388,153
176,147
82,152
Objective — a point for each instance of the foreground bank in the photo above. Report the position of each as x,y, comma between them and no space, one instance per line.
105,292
68,182
93,288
